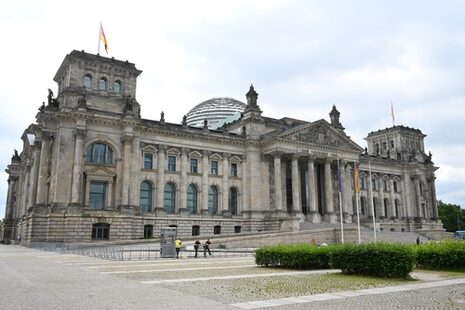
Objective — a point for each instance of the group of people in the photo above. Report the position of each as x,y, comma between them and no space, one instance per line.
197,243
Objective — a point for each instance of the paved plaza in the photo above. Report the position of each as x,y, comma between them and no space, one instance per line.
33,279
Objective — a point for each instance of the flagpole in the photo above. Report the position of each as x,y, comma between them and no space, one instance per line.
392,114
340,199
99,34
371,200
356,201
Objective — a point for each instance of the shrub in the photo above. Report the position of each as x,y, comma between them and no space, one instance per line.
441,255
299,256
375,259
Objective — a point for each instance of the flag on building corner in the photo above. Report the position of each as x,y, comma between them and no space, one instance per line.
103,39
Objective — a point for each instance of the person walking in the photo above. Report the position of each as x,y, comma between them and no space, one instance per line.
177,245
206,247
418,240
196,247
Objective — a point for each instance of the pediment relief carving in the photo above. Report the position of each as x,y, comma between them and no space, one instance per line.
173,151
149,149
100,171
216,156
235,159
195,154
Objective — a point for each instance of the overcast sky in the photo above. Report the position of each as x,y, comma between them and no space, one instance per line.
301,56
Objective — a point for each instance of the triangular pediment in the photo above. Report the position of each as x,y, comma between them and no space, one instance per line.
321,133
100,171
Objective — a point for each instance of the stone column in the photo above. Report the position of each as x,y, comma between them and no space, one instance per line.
34,174
349,190
369,205
392,199
295,185
126,140
407,202
434,203
418,197
329,202
160,178
205,170
346,194
183,182
245,207
43,171
278,194
76,186
312,191
11,196
224,207
381,212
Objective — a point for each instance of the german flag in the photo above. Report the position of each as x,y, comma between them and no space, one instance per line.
104,39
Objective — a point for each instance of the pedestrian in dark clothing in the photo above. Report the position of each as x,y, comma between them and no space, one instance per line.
206,247
418,240
196,247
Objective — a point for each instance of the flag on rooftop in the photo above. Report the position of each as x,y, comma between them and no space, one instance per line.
103,39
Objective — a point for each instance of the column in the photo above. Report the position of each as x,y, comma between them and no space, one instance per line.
434,203
246,191
382,214
392,199
418,197
369,205
295,185
34,174
183,182
350,192
345,192
278,194
406,203
79,133
312,191
224,207
126,140
43,171
205,170
160,178
12,192
329,202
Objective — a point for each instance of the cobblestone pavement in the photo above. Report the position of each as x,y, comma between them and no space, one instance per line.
205,283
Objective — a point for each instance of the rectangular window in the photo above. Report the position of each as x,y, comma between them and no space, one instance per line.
395,186
385,186
171,163
194,165
97,195
362,183
217,230
214,167
373,184
237,229
234,170
195,230
148,161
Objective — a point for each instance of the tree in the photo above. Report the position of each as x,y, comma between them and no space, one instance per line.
452,216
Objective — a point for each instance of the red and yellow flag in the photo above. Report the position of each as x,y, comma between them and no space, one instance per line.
356,176
103,39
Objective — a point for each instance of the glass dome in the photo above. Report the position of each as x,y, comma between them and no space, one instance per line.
216,111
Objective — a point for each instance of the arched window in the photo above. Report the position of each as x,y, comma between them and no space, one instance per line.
146,196
169,198
213,200
117,86
233,201
100,231
375,206
87,81
396,208
102,84
192,199
99,153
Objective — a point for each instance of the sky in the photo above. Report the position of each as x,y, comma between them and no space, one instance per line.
301,56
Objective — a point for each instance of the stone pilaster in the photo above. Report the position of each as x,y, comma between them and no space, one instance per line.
278,194
434,203
418,197
316,218
295,185
392,200
224,207
329,202
160,178
76,185
43,171
125,192
183,182
205,170
34,174
381,212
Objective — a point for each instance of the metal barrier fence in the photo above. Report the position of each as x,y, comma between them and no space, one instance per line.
135,252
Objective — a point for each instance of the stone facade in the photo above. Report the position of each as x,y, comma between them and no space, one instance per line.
91,168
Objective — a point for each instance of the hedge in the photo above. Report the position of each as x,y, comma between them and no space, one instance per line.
294,256
374,259
441,255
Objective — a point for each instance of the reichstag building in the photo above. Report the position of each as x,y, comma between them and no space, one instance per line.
91,168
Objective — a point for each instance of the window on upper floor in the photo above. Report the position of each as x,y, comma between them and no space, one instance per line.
99,153
376,148
194,165
385,185
362,183
171,163
391,143
87,81
233,169
117,87
373,184
394,184
102,84
384,146
214,167
148,161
